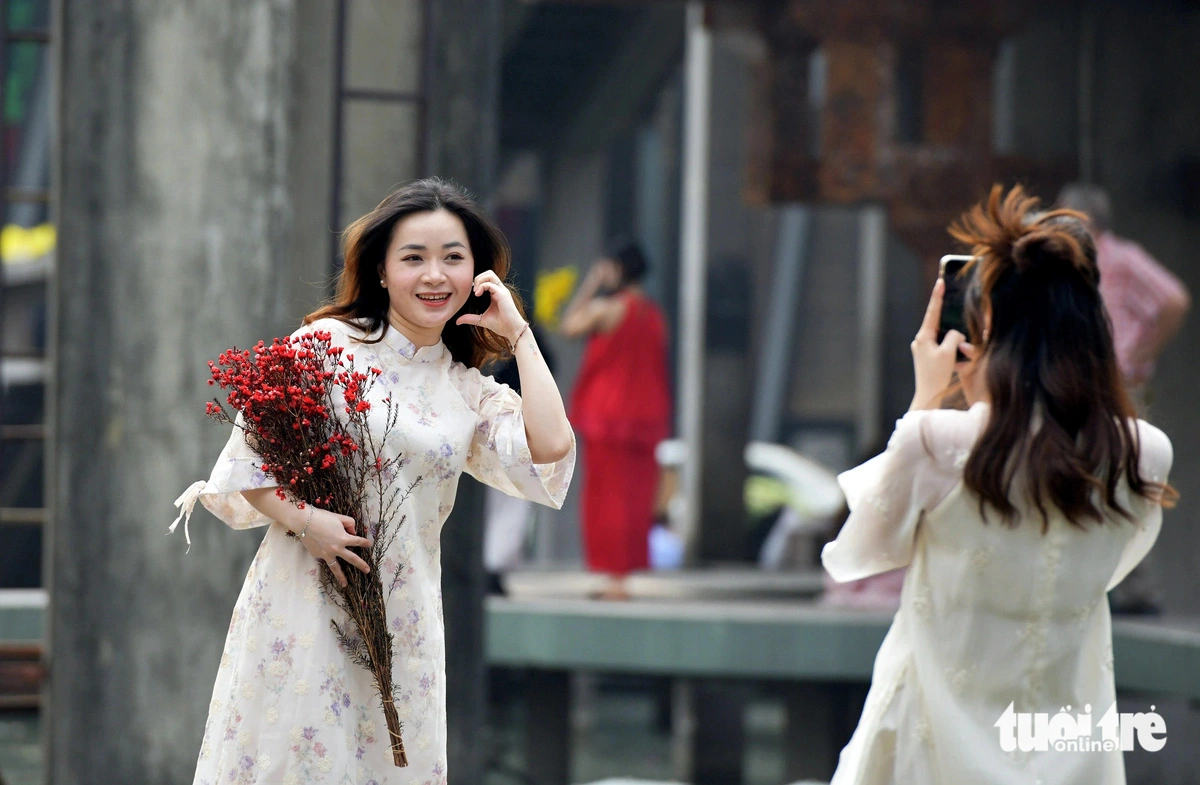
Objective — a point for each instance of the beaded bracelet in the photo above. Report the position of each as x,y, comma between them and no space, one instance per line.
517,340
307,522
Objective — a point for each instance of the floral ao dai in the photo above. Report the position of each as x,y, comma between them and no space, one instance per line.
988,614
288,706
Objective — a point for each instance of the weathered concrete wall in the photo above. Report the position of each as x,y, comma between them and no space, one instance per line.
175,147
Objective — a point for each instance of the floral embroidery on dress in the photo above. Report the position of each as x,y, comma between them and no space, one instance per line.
334,688
1082,615
309,756
922,603
259,605
233,723
959,678
881,504
1035,633
364,731
923,732
410,635
440,464
981,557
243,772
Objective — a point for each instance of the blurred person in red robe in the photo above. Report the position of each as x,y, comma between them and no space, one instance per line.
621,409
1146,305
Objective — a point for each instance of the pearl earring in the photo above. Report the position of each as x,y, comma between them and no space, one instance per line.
382,284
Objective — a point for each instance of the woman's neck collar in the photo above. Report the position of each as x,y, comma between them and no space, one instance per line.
401,339
420,338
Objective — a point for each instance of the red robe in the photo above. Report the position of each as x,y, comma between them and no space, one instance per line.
621,410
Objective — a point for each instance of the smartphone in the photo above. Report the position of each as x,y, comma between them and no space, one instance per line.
954,298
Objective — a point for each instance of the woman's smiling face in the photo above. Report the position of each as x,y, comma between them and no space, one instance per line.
428,274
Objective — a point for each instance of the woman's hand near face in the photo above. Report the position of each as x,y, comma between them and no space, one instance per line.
587,313
501,316
546,427
933,362
604,274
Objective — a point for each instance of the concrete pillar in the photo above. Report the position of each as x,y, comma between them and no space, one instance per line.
175,207
461,142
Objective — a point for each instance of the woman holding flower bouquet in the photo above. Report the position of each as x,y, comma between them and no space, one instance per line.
422,303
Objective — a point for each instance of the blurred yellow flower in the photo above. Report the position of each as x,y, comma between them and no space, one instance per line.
550,294
18,244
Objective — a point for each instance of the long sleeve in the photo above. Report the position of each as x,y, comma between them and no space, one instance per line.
499,455
888,494
1156,459
238,468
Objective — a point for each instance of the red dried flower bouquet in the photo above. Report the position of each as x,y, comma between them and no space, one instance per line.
287,394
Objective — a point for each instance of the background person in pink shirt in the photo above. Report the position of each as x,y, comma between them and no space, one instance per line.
1145,301
1146,305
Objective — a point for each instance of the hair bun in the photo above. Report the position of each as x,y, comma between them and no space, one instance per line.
1043,248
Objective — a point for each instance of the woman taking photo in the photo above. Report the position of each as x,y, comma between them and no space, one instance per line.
1014,517
422,298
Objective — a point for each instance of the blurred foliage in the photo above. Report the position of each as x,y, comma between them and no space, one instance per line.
550,294
18,244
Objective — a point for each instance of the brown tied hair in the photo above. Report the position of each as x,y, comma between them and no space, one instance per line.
360,299
1049,361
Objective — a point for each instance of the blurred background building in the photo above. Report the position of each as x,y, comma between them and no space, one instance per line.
174,177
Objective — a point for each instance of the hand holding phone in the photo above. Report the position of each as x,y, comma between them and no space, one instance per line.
954,297
954,300
936,349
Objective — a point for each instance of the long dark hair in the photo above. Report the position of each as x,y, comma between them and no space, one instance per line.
630,260
361,299
1049,362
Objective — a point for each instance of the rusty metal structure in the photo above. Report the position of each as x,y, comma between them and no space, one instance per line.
900,112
